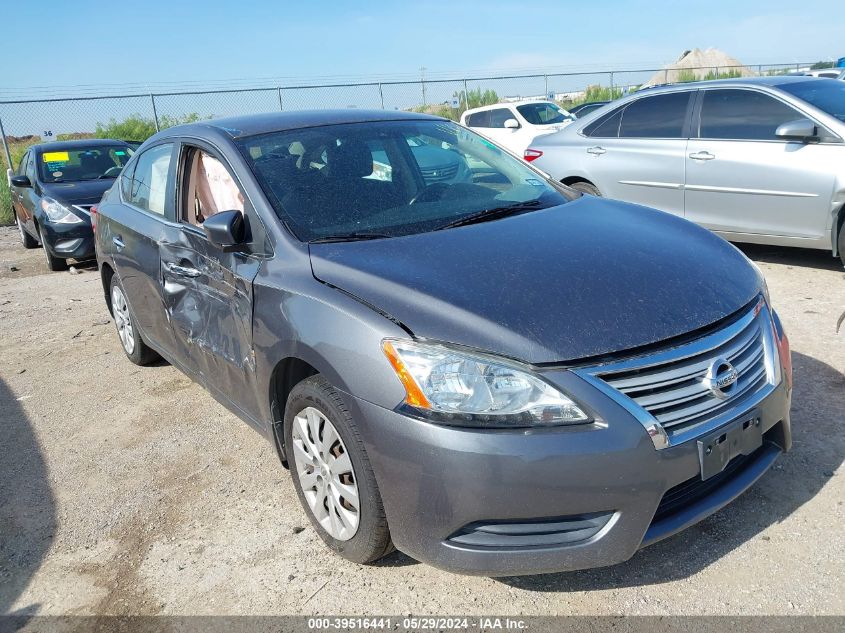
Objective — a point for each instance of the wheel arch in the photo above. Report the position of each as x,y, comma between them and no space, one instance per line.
838,224
571,180
106,274
286,374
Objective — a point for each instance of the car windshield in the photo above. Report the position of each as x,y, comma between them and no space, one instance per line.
388,179
83,163
543,113
827,95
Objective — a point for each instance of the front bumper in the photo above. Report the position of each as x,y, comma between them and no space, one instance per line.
439,483
69,240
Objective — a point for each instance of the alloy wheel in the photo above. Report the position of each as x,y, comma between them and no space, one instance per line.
326,474
122,319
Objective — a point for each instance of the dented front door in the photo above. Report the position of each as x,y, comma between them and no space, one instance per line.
208,297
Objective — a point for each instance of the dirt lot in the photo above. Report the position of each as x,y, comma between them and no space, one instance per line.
128,490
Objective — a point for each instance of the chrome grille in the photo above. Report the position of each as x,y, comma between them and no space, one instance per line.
439,174
669,386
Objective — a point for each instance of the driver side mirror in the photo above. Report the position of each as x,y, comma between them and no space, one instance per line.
798,130
20,181
512,124
227,230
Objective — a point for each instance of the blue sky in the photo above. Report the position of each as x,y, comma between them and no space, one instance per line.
156,43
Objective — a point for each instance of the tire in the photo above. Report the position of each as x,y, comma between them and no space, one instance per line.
130,338
841,242
53,263
586,187
26,239
313,403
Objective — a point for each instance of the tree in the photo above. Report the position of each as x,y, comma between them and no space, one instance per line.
138,128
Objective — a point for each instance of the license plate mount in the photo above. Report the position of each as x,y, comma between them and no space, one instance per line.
716,450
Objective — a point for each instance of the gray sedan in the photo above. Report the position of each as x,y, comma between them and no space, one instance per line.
492,373
755,160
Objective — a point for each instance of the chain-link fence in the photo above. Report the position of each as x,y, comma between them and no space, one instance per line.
135,117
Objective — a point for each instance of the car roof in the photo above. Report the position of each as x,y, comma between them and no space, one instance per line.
495,106
738,82
252,124
58,146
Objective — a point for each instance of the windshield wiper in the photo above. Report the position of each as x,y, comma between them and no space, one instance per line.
349,237
494,214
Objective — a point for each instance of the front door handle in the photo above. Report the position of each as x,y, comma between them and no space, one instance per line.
118,243
183,271
703,155
596,151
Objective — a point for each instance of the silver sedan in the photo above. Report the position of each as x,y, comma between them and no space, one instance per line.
757,160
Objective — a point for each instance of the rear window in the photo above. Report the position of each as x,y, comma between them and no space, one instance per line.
83,163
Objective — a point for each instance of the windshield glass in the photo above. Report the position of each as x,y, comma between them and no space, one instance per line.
84,163
389,179
543,113
827,95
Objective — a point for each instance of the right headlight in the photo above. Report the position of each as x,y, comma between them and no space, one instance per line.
58,213
455,387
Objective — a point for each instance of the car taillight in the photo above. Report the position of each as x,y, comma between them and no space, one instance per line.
531,154
93,211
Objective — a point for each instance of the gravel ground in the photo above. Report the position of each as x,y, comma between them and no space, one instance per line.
127,490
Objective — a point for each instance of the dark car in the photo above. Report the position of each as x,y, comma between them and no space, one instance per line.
580,111
53,190
498,375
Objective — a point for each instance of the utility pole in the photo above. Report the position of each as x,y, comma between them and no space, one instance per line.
422,81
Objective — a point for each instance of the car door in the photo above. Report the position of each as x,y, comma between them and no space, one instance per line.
636,153
17,192
208,292
743,179
131,230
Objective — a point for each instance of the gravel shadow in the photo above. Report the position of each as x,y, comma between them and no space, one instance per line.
790,256
27,504
818,428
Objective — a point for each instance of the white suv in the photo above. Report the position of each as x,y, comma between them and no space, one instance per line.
515,125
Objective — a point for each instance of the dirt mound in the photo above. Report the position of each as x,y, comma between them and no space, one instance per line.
697,65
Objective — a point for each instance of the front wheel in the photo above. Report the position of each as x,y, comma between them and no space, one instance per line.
130,338
53,263
841,242
332,474
586,187
26,239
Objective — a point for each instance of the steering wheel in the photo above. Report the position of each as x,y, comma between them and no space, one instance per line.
112,172
431,193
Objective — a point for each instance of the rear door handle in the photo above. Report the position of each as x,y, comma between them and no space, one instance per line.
596,151
703,155
118,242
183,271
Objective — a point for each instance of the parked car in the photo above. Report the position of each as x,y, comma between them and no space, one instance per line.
53,190
498,376
755,160
827,73
515,125
580,111
436,163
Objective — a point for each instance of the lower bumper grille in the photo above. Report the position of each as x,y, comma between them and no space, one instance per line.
531,533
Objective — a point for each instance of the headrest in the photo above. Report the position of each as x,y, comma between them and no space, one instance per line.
350,159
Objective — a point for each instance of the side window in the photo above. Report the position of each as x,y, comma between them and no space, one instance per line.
742,115
30,167
149,183
210,189
126,181
499,116
479,119
22,165
659,116
606,126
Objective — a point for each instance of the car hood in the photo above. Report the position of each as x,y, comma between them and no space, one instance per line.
588,278
80,192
